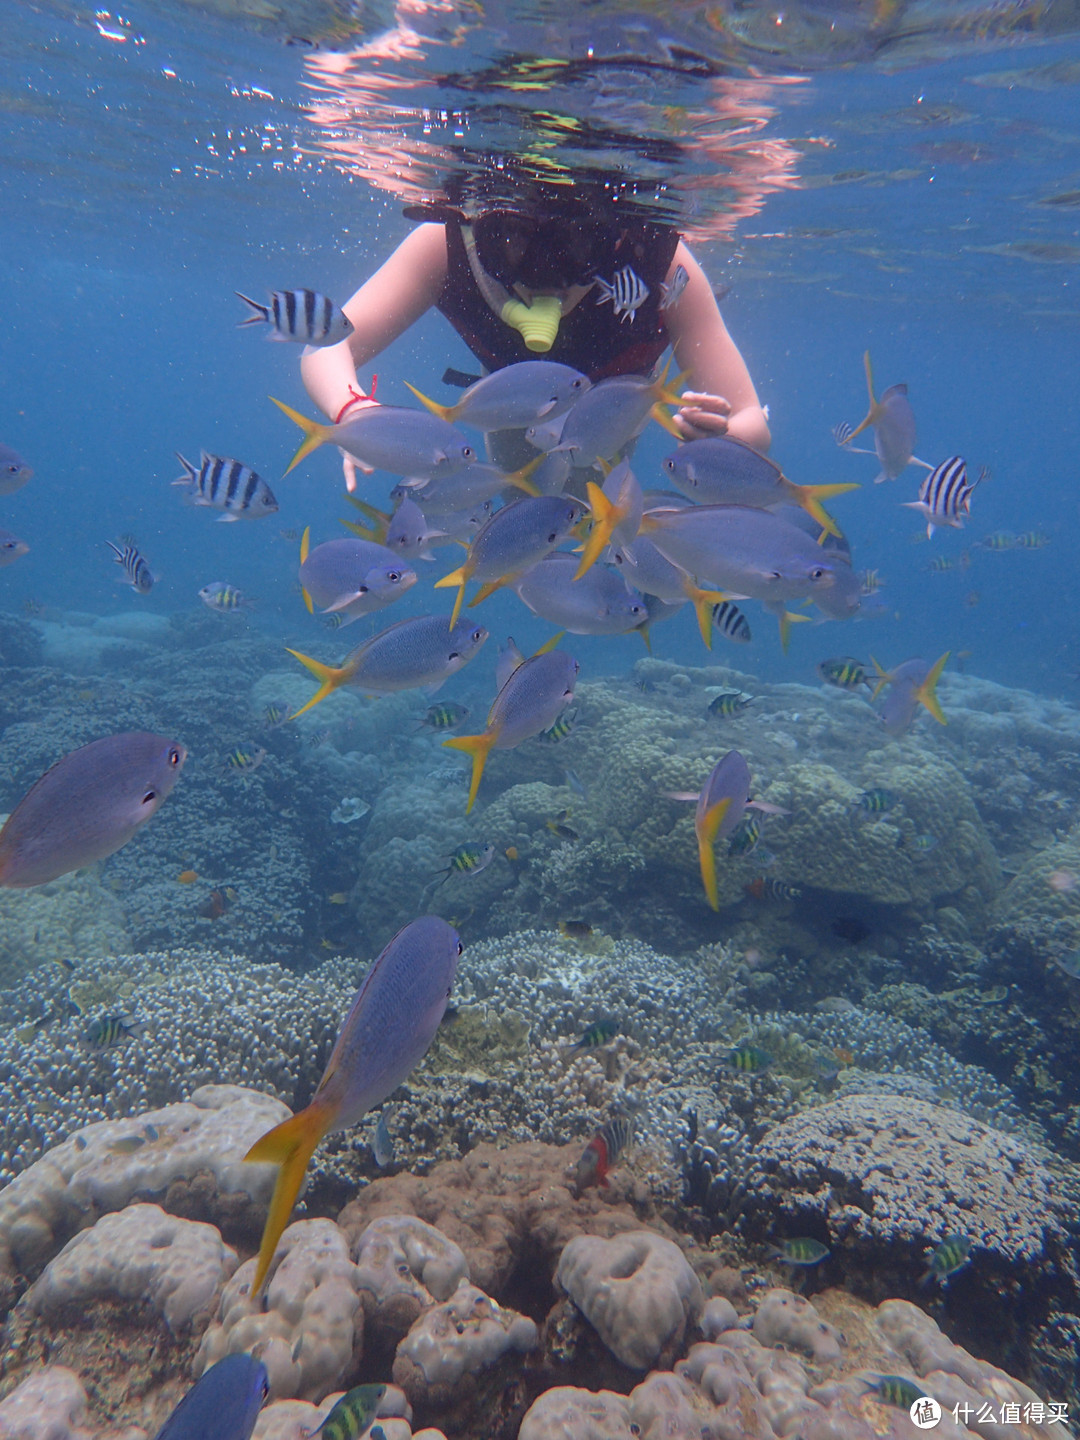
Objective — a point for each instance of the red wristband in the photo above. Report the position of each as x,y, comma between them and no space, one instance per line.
355,396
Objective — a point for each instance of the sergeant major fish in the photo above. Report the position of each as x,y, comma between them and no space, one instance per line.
626,293
393,1020
302,315
352,1414
136,570
467,860
223,598
945,495
226,485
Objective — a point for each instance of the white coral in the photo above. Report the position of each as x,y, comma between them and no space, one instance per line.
140,1253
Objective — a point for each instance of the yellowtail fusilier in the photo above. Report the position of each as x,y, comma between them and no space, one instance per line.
393,1021
609,415
756,554
388,437
912,684
469,486
893,421
945,495
11,548
223,484
719,808
413,654
136,570
223,1404
408,534
600,603
301,315
530,701
14,471
87,806
351,577
515,538
514,397
720,471
616,508
653,574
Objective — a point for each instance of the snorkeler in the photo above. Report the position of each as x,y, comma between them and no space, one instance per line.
562,273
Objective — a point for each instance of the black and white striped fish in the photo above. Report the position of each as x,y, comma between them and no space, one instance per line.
945,495
731,622
843,432
227,485
136,571
672,289
627,292
302,315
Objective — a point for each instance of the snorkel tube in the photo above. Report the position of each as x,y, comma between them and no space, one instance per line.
537,324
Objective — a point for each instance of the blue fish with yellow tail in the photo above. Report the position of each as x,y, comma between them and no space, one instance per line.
912,684
223,1404
393,1020
893,423
616,509
531,700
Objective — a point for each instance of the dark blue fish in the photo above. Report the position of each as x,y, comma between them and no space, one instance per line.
223,1404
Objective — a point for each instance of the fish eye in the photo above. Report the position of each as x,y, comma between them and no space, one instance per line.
468,453
174,757
477,635
774,575
818,573
460,951
12,469
394,576
150,796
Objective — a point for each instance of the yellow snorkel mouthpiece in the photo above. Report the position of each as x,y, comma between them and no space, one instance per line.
537,324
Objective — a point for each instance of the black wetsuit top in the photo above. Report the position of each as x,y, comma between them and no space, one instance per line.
592,338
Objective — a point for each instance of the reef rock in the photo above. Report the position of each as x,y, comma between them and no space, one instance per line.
403,1266
308,1329
637,1291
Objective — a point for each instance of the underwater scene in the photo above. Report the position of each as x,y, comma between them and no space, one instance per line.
540,726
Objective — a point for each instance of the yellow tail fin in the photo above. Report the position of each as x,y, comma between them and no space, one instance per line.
523,478
314,434
460,578
703,601
605,516
363,533
810,498
444,412
290,1146
927,691
787,619
305,546
871,414
479,747
329,676
883,679
706,839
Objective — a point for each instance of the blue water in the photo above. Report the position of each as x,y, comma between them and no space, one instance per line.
138,200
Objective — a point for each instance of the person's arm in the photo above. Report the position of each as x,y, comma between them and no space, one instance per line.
395,297
724,400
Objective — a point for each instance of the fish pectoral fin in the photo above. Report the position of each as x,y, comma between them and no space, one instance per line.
444,412
926,694
314,433
290,1146
478,747
344,601
810,498
330,677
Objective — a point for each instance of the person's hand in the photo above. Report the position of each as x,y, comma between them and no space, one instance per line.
349,463
701,414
